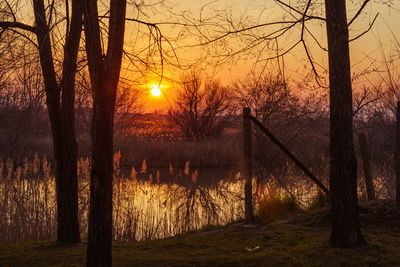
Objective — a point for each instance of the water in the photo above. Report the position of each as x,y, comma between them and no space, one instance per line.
141,210
148,205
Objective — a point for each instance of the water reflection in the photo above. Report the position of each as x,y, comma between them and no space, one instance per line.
142,209
147,203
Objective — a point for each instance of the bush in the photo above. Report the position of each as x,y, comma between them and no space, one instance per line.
274,206
321,200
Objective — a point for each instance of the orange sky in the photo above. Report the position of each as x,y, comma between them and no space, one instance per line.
380,40
364,51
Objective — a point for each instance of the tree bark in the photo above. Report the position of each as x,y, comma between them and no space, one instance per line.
366,162
397,158
61,114
104,77
248,188
345,228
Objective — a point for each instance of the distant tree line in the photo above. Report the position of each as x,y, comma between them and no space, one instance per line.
55,38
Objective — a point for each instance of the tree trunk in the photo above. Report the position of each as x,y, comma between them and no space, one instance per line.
67,187
100,216
104,77
61,116
345,228
397,158
248,188
366,162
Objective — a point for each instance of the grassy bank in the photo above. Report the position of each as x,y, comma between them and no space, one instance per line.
281,243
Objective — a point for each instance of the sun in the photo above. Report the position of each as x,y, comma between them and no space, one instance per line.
155,91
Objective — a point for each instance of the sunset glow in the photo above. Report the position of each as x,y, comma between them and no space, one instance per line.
201,132
155,91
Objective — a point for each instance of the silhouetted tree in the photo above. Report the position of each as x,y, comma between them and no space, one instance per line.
127,107
397,159
60,105
275,105
267,36
345,228
104,70
22,102
199,109
268,96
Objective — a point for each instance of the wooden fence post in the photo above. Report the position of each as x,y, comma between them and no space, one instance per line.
366,162
289,154
248,191
397,158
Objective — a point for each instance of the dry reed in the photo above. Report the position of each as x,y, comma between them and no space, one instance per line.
147,208
142,209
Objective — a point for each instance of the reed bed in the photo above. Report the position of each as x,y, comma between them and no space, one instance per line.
144,208
148,205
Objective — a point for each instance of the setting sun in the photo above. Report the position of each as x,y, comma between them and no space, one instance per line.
255,132
155,91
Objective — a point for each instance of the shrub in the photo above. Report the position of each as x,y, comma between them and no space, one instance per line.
274,206
321,200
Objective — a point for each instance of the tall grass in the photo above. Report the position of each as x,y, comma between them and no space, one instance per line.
202,154
149,204
27,202
144,208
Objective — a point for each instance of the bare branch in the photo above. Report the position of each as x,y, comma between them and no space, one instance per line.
24,36
364,32
311,62
18,25
358,12
362,102
11,11
299,12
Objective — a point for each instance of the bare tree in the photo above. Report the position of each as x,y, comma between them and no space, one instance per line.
265,37
21,103
127,106
273,103
59,101
104,69
345,229
388,84
267,95
199,110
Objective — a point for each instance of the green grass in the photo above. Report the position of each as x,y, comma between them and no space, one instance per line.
279,245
